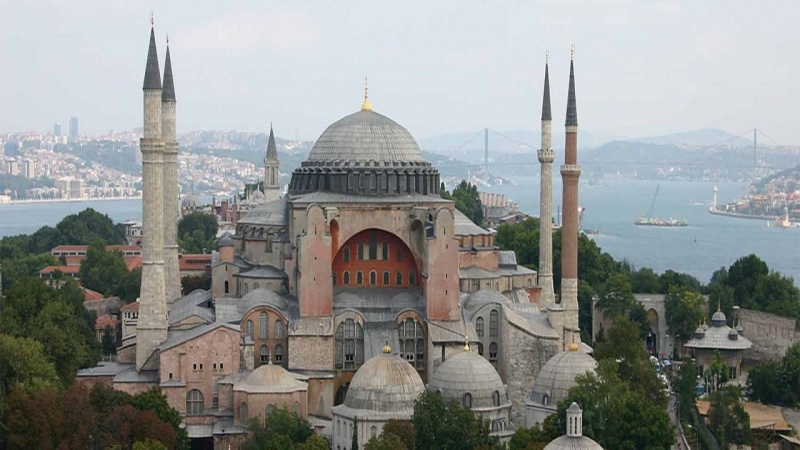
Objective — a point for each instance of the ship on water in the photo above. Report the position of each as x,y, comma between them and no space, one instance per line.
651,221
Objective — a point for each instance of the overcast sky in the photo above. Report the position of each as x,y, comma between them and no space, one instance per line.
642,67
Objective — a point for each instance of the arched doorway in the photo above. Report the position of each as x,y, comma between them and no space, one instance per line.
651,341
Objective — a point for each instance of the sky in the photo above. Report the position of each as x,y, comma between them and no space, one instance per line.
643,67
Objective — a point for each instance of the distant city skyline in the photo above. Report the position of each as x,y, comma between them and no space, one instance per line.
646,68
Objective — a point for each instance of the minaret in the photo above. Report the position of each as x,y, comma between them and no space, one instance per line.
546,156
272,182
171,212
152,326
570,173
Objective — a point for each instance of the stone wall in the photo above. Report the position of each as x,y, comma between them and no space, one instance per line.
523,355
770,334
110,306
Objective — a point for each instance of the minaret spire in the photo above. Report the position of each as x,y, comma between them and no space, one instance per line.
168,89
152,73
572,108
272,184
169,185
546,156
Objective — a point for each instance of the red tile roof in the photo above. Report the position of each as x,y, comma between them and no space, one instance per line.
133,262
73,260
130,307
66,270
84,248
103,321
92,296
194,262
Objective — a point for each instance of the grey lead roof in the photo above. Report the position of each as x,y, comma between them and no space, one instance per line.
168,91
152,73
466,227
366,138
572,108
272,213
197,303
546,114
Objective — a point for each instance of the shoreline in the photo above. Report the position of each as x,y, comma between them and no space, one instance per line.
718,212
67,200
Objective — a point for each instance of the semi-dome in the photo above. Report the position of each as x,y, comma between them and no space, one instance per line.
385,384
365,153
270,379
557,376
469,373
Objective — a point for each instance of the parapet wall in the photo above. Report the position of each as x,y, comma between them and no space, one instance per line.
770,334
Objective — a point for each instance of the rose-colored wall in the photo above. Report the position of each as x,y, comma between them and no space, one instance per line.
257,403
271,341
406,266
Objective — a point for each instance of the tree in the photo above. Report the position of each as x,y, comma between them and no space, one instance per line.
102,269
197,232
670,278
448,426
529,439
404,430
314,442
466,198
777,382
24,266
354,444
191,283
23,365
155,401
281,429
743,276
684,311
109,341
149,444
617,300
88,226
624,345
727,418
385,442
718,373
685,387
645,281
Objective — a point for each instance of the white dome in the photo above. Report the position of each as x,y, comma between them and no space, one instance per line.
385,383
468,373
557,376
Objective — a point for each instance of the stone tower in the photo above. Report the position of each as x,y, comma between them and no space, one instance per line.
546,156
171,211
152,326
570,173
272,182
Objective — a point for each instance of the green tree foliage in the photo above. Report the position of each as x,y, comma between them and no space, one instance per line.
645,281
523,239
616,299
23,365
192,283
354,443
718,373
614,414
448,426
55,318
88,226
108,341
777,382
385,442
465,196
197,233
670,278
624,345
727,419
314,442
404,430
529,439
684,310
102,269
280,430
27,265
685,387
149,444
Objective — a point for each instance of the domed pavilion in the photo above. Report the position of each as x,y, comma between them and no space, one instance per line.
719,337
574,439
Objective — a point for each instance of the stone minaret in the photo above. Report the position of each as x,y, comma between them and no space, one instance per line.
546,156
570,173
272,182
151,329
171,212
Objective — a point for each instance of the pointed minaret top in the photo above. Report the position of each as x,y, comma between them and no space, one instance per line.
546,114
152,73
572,109
272,150
168,92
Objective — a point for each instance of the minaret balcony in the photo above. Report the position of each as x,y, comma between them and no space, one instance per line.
571,169
546,155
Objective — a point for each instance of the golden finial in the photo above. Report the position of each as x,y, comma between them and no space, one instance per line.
572,52
366,106
466,343
152,20
387,350
573,346
719,305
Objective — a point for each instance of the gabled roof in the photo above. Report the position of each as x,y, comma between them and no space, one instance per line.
178,337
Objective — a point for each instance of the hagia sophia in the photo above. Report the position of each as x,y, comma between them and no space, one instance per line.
352,294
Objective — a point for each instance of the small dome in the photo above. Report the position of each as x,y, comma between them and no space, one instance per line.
573,443
468,373
718,318
733,335
270,379
385,383
226,240
557,376
366,138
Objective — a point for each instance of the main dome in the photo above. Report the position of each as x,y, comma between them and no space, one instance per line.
366,138
365,153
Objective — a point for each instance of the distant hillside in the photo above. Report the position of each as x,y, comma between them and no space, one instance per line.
703,137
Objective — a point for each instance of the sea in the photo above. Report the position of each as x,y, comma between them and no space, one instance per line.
610,208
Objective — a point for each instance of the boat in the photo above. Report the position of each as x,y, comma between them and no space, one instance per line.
651,221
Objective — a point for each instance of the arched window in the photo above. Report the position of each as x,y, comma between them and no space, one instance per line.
349,345
360,251
243,413
412,343
263,326
480,349
496,398
278,353
248,328
346,254
278,329
493,353
215,394
479,327
545,400
264,354
194,403
227,287
399,279
493,323
256,285
346,277
467,400
359,278
373,432
373,278
296,408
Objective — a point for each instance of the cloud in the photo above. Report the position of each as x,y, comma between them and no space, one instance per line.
282,31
